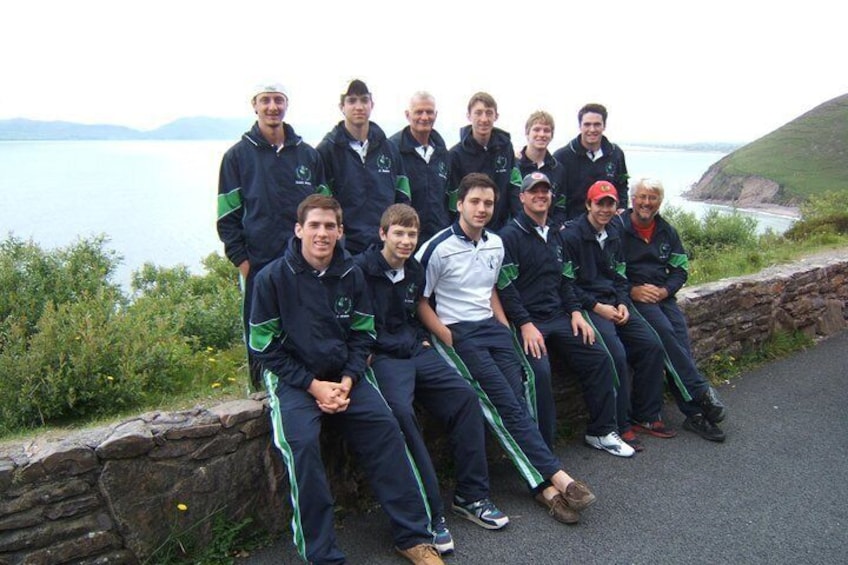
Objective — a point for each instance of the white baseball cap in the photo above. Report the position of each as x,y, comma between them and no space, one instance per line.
270,87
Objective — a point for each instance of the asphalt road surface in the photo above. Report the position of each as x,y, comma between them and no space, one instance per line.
775,492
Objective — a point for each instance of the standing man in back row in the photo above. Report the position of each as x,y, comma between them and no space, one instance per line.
485,149
262,180
364,170
425,159
535,158
588,158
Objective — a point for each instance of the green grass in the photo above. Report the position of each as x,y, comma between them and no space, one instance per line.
721,368
722,245
806,157
228,540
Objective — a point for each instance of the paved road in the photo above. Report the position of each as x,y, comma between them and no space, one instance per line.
775,492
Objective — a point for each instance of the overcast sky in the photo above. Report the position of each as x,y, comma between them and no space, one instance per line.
668,71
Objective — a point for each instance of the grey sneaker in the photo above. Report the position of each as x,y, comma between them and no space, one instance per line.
442,538
482,512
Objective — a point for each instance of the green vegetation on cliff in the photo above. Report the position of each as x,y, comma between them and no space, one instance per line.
807,156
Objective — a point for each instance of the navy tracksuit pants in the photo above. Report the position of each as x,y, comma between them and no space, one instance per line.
685,381
633,345
425,378
484,354
594,370
374,436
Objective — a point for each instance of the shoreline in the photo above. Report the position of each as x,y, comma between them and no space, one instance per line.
789,212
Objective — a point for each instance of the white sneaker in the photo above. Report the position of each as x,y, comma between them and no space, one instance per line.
611,443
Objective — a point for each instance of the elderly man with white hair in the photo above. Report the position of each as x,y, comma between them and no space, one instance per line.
657,267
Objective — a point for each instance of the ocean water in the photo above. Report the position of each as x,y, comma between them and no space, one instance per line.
156,200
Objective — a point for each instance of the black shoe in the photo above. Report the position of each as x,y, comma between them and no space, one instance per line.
712,406
703,427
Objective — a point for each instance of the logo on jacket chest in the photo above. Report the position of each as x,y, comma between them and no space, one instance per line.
410,295
665,251
500,164
384,163
557,249
343,307
610,169
302,175
410,298
442,169
610,261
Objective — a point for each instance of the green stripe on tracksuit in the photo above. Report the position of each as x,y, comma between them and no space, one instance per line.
525,468
271,381
530,376
372,380
599,338
675,376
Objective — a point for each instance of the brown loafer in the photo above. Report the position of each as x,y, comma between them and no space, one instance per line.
559,509
578,496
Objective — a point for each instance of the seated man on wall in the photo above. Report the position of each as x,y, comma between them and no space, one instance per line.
657,267
312,328
540,302
407,368
461,265
594,260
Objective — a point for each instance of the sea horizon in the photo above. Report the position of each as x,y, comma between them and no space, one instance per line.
155,200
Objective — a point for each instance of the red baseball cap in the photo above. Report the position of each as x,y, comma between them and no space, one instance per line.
600,190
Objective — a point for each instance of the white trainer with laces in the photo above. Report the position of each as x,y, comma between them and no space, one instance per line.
611,443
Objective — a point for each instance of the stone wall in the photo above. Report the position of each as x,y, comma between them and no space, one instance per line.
115,494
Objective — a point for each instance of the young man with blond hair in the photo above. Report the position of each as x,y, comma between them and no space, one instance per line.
535,158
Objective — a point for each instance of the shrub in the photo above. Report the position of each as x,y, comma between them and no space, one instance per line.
205,309
74,346
716,230
88,359
31,278
823,215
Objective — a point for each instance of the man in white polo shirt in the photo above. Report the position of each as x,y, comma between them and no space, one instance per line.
461,265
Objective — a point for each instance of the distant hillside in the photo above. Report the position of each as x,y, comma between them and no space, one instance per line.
184,128
21,129
807,156
201,128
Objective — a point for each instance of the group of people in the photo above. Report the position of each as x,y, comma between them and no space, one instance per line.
382,274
